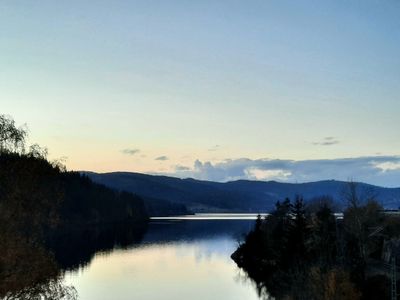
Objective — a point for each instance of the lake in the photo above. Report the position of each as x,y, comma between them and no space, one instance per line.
185,257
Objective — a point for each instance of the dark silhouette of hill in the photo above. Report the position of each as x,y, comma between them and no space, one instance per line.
35,191
161,207
235,196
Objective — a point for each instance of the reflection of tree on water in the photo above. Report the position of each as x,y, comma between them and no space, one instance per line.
54,289
262,292
28,270
75,248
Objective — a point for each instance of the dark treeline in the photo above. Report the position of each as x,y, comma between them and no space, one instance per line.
73,249
39,198
34,192
160,207
89,202
301,252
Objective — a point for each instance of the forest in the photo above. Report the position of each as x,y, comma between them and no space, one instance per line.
38,200
304,251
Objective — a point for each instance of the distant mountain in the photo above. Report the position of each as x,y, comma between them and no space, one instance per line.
235,196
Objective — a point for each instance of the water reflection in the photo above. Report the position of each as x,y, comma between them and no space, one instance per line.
28,270
170,259
176,259
74,249
33,267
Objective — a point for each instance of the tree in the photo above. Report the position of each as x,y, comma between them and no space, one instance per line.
333,284
298,229
323,237
12,138
317,203
361,218
37,152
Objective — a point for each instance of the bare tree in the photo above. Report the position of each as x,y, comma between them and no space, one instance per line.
362,216
12,138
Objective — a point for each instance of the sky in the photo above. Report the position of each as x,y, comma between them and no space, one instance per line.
217,90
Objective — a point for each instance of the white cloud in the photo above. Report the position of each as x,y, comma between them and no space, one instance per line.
259,174
388,166
379,170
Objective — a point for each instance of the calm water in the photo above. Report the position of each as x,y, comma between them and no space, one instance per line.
177,258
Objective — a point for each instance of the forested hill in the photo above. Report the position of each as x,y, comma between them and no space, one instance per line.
35,192
236,196
43,207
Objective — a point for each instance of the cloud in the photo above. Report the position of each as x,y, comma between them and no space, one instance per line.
379,170
258,174
327,141
388,166
129,151
162,158
179,168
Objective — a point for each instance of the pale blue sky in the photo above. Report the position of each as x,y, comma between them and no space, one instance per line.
296,80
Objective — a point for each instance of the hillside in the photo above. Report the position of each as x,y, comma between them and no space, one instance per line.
235,196
35,192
